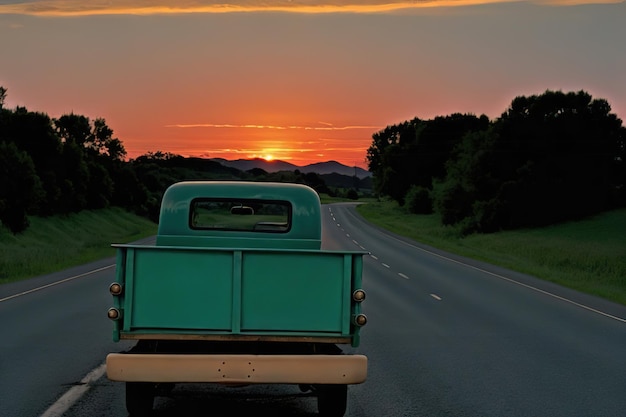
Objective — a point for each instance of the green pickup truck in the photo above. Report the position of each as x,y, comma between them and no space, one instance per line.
237,290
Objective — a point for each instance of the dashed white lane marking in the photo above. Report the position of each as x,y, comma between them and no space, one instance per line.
55,283
73,394
355,242
374,257
402,275
385,265
436,297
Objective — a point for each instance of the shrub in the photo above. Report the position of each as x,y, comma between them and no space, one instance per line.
418,200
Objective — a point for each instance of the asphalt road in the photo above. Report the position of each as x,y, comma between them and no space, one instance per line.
445,337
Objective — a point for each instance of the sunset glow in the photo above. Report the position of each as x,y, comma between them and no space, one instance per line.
301,81
299,145
77,8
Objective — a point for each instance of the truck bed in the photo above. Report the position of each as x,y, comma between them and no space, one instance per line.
174,292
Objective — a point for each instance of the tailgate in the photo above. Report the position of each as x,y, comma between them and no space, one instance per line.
247,292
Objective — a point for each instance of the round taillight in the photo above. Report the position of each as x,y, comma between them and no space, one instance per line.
358,295
360,319
114,313
116,289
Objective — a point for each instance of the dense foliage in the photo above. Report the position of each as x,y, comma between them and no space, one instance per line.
549,158
59,166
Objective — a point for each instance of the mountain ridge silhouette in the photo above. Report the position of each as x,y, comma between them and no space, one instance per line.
328,167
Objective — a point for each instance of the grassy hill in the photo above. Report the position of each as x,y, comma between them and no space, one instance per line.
54,243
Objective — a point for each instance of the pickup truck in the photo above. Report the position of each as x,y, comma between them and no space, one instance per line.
238,291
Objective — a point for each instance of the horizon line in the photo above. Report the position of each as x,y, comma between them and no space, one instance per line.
327,126
259,158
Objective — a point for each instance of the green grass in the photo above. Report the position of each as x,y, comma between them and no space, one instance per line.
58,242
589,255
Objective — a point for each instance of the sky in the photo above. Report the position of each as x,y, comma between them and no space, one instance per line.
300,81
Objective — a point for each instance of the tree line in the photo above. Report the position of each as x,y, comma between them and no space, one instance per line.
548,158
51,166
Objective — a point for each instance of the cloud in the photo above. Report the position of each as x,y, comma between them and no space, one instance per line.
164,7
326,126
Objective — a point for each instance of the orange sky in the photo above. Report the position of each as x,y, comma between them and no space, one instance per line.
302,81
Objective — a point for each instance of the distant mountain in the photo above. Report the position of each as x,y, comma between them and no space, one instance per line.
330,167
334,167
248,164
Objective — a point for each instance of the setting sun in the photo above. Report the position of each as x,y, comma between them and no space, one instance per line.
298,81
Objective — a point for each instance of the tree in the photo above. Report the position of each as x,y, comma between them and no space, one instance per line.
3,96
469,180
74,178
418,200
128,190
104,144
415,152
74,128
100,186
548,159
33,133
565,145
352,194
384,158
20,187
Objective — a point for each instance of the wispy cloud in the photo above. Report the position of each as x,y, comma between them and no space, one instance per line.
147,7
325,126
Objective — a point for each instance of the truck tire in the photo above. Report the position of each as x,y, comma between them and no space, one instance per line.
139,398
332,400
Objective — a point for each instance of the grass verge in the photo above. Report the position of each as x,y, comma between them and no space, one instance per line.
58,242
588,255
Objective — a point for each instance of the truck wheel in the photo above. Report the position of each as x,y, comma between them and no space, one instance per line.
332,400
139,398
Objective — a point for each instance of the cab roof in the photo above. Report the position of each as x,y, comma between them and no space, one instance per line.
175,225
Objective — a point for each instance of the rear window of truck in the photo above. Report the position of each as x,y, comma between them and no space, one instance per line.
240,215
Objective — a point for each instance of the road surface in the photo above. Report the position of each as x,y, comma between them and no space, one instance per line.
446,337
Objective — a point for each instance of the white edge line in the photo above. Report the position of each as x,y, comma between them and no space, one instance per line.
558,297
55,283
73,394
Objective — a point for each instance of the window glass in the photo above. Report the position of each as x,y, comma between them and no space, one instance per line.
240,215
